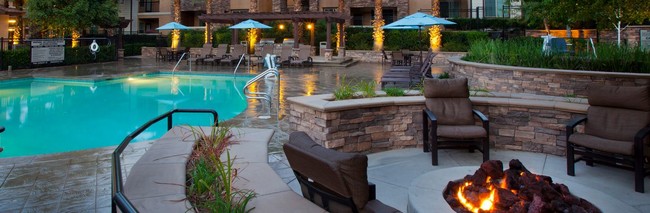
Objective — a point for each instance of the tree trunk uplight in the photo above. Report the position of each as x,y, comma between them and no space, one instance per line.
435,36
176,34
377,32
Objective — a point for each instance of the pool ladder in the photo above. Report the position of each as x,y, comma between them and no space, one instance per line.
270,74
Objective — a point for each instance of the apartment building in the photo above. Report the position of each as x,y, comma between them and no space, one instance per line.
147,15
9,14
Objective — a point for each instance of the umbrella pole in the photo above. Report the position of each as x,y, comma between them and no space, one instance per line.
420,42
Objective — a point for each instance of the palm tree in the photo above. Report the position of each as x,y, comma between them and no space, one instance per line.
253,34
297,7
340,34
176,34
208,27
377,32
435,37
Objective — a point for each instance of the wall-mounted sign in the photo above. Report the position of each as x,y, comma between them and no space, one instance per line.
644,39
45,51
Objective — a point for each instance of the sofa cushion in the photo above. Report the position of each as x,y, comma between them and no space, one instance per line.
451,111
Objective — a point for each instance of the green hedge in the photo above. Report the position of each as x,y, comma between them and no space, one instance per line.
459,41
18,58
135,49
21,59
526,52
453,41
134,39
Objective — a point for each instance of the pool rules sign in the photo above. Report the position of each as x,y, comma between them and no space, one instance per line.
45,51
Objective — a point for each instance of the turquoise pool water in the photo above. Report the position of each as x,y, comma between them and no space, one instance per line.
43,116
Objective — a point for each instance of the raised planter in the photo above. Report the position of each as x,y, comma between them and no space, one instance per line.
553,82
523,122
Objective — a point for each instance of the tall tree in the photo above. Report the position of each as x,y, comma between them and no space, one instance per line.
208,25
340,30
377,23
435,36
253,34
297,7
618,14
56,18
176,34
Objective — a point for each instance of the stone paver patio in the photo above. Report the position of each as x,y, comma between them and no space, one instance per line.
80,181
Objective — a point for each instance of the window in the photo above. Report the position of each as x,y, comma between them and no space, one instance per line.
330,9
239,11
493,8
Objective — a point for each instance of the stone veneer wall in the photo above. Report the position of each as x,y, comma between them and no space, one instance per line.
378,124
553,82
376,57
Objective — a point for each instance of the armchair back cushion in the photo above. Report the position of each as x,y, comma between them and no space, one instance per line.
449,100
343,173
617,113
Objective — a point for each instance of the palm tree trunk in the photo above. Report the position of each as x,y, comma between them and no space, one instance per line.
208,25
176,34
340,31
297,7
435,37
253,34
378,33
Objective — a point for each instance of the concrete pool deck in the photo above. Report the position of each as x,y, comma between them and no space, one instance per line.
80,181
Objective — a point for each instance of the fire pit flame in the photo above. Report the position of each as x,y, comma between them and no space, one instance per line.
515,190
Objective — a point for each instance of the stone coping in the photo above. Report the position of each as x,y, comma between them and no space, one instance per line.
326,103
425,192
458,60
156,182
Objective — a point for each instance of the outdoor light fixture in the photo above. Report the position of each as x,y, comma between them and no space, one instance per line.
310,26
12,21
281,26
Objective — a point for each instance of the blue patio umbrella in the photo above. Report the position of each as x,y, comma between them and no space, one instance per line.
249,24
417,21
173,26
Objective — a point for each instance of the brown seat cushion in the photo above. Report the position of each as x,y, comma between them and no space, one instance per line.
342,173
461,131
446,88
598,143
635,98
615,123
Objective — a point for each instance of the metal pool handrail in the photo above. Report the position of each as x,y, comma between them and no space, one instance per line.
119,200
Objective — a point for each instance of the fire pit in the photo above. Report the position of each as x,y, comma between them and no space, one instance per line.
490,189
425,191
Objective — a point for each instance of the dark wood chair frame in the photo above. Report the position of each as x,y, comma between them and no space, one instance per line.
327,195
634,163
432,144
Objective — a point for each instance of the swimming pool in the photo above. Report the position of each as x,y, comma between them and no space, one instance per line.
43,116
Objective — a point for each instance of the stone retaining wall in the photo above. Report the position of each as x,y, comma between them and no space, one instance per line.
534,123
553,82
376,57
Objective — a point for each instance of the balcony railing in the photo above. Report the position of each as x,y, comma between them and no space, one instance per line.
149,6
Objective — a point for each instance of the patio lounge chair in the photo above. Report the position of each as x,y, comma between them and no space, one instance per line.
285,55
335,181
236,51
409,75
398,58
448,120
615,131
303,57
203,53
218,55
162,53
263,51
